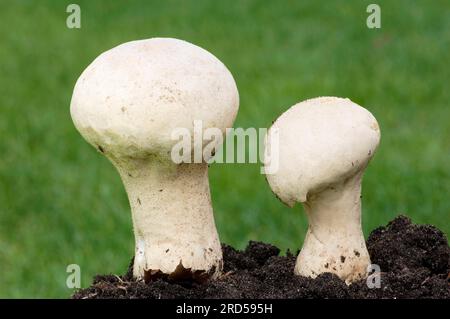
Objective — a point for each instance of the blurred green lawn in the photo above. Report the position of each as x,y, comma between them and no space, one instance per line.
63,203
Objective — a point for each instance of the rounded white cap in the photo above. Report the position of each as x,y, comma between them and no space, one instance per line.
129,100
322,141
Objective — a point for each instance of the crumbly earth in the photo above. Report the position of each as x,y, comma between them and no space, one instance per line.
414,262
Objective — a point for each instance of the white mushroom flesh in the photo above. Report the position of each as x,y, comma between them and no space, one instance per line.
127,103
324,146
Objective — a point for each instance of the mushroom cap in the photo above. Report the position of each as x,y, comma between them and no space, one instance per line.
129,100
322,142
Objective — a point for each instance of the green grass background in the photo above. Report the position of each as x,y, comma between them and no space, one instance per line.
62,203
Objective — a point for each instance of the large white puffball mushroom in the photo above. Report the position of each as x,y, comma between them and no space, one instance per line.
127,104
324,146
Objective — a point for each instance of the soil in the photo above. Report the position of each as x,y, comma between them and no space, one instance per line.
414,262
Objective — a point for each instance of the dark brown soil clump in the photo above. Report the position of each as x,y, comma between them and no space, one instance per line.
414,262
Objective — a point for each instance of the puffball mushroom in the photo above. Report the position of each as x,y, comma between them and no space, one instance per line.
324,146
127,103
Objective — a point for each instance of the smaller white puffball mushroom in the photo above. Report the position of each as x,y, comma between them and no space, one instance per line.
324,146
127,104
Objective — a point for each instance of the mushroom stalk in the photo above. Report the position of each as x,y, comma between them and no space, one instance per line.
172,218
334,241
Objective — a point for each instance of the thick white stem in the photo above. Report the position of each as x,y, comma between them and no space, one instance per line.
172,218
335,241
